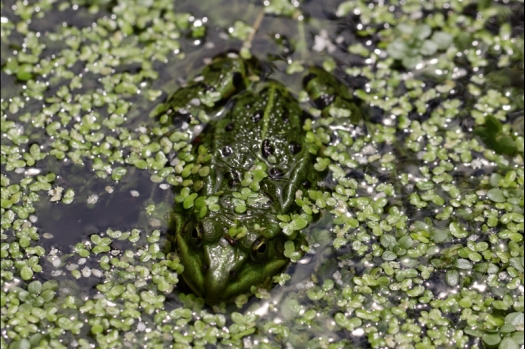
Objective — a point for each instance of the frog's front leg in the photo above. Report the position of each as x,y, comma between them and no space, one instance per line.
331,96
224,76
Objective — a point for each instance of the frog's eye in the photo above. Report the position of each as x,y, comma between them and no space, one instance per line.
238,80
260,250
195,235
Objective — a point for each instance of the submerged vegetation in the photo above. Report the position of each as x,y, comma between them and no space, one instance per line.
419,243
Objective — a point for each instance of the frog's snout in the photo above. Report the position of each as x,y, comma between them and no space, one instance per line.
222,263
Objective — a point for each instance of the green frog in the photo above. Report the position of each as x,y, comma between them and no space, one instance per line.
243,173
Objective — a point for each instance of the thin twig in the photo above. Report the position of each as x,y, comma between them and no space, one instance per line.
256,25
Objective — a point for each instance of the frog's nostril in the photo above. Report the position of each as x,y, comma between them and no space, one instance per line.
276,173
294,147
206,267
227,151
257,116
267,149
233,273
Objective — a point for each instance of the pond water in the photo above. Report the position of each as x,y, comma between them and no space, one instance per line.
419,238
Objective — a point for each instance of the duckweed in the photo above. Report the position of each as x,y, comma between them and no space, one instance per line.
420,222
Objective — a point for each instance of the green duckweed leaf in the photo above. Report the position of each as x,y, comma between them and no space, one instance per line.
508,343
491,339
442,39
492,125
515,319
463,264
517,263
396,49
403,28
20,344
410,62
452,277
504,144
422,31
429,48
496,195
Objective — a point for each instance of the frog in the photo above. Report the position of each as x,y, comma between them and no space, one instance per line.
245,172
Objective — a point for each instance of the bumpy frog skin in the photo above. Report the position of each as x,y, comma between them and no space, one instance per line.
259,135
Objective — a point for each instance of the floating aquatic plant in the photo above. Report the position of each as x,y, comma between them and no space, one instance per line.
495,138
413,42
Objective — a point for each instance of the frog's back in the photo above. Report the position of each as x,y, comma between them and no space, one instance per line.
264,128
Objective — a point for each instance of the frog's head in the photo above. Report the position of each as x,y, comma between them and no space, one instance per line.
218,267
